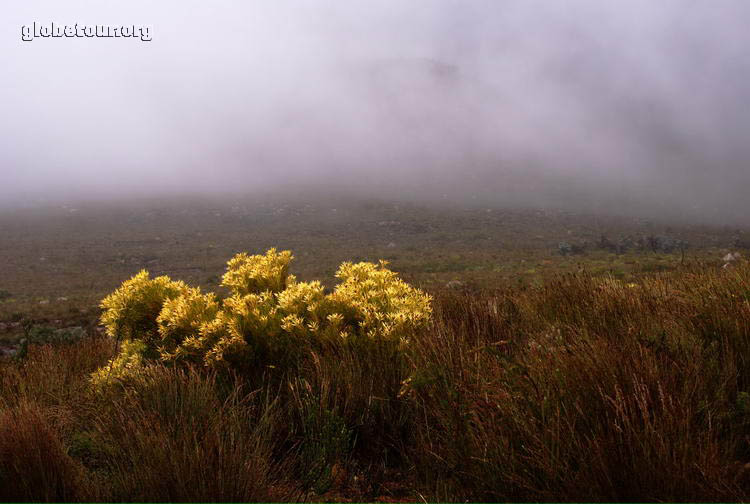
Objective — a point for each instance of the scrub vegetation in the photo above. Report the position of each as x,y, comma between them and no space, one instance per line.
368,385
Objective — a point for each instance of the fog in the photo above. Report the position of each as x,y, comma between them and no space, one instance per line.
632,107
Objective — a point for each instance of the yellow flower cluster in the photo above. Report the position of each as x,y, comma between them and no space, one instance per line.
257,273
180,322
269,315
132,310
127,364
375,302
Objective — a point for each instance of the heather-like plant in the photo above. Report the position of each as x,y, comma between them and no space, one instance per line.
375,303
127,364
131,311
269,319
253,274
180,322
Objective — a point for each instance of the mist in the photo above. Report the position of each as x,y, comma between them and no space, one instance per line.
632,107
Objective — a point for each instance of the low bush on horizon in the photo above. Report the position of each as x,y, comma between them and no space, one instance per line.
582,389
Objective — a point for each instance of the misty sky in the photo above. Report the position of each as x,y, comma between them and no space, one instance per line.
636,103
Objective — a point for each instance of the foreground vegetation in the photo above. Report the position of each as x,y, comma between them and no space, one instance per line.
579,388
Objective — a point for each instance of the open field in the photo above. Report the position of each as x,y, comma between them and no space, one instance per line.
58,262
591,374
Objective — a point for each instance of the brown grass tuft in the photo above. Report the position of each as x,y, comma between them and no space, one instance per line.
34,465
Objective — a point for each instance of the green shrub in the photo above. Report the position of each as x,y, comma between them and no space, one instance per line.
326,442
43,335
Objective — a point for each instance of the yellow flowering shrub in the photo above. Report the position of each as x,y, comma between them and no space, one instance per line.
269,319
127,364
181,319
375,303
131,311
253,274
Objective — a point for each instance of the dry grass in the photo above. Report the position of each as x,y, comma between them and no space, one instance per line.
53,375
34,465
582,389
589,390
172,437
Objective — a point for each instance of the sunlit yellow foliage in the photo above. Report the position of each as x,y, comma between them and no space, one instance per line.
131,311
377,303
304,299
269,318
182,318
223,343
126,364
253,274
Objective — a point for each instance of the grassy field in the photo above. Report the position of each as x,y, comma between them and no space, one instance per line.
557,367
57,262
